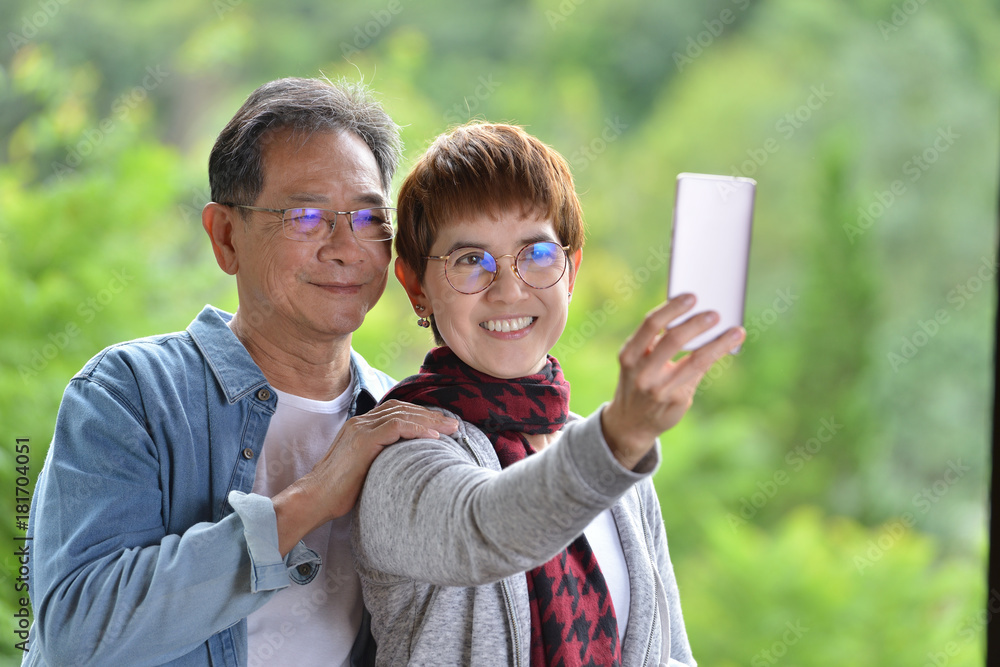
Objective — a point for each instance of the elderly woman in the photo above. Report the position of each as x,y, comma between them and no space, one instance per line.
530,536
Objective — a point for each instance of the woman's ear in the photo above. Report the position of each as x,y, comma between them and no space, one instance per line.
407,277
575,259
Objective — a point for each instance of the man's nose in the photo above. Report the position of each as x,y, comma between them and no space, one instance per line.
342,244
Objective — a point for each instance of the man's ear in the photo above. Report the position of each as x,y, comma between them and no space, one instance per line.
407,277
575,260
219,221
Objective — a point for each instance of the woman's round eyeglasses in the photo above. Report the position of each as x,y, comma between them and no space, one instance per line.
471,270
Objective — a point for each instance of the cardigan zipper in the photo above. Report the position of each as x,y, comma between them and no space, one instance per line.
507,597
513,621
656,592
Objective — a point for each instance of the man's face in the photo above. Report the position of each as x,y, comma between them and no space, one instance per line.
309,291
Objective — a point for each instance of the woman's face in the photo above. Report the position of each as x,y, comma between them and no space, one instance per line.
507,329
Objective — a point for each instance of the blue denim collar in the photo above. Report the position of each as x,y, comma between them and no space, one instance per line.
238,375
232,365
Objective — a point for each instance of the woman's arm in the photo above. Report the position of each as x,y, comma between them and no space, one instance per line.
429,512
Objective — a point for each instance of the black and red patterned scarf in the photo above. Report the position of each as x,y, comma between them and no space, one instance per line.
572,618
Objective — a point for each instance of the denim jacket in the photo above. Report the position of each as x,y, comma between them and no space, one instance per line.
147,547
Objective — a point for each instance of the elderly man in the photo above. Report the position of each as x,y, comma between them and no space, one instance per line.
194,507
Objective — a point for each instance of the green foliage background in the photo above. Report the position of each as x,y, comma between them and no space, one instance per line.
811,512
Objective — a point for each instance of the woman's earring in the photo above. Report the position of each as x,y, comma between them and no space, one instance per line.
423,321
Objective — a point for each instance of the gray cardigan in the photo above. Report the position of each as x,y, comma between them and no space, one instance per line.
442,540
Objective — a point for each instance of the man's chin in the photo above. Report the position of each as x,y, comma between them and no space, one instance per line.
337,324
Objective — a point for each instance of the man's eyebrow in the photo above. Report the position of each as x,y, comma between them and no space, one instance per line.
306,198
364,199
373,199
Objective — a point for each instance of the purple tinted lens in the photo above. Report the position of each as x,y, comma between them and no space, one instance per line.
471,269
541,255
304,220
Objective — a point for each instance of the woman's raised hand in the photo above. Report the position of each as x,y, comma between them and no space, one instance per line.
653,391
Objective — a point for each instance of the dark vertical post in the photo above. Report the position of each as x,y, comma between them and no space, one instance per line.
993,628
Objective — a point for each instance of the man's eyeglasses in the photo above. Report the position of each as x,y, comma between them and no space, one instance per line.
317,224
471,270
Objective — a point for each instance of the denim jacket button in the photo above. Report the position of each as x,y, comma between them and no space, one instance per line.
264,394
305,569
248,453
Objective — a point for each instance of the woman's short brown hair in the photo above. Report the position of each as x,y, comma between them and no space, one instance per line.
483,167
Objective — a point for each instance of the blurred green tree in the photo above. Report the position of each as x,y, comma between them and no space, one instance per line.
869,125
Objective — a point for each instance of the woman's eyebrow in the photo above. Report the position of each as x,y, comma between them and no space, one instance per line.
541,237
462,244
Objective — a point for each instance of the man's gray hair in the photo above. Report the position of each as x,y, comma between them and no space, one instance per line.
235,170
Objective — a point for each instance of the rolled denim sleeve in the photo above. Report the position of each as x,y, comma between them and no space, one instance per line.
268,570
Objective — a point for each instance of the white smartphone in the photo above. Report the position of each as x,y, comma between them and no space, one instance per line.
710,247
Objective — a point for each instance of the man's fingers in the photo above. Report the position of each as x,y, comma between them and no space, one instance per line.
395,420
415,413
404,429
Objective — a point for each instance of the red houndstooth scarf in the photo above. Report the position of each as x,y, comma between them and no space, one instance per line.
572,618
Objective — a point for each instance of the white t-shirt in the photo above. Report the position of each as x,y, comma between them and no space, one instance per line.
602,534
314,624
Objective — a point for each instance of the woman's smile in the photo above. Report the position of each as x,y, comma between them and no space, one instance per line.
506,325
